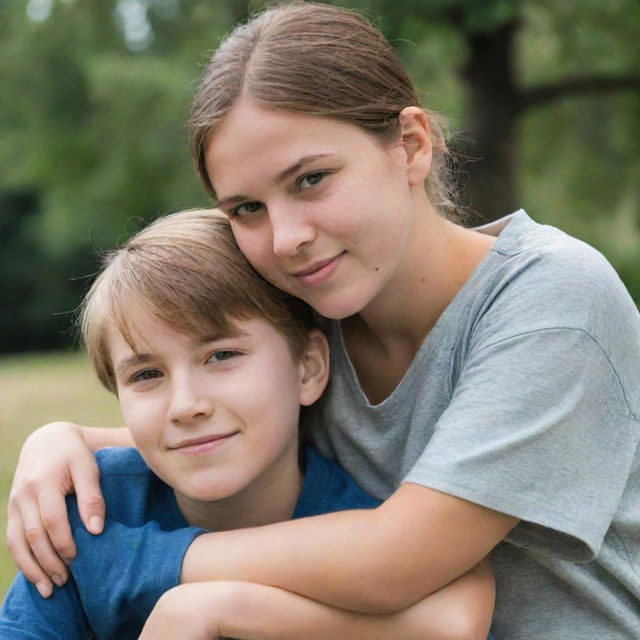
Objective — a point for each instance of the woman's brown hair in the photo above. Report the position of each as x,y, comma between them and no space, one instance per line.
317,59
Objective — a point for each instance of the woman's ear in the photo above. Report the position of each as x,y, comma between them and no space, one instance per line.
314,368
416,141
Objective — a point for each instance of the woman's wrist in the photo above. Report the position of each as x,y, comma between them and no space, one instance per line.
100,437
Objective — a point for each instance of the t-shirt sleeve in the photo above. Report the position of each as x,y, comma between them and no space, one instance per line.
129,568
26,615
538,427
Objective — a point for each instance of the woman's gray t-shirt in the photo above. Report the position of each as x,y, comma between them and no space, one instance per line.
524,398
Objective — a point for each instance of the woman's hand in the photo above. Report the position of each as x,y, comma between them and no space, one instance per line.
250,611
54,462
188,611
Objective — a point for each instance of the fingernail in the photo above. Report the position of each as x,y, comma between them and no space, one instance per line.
67,561
59,580
44,589
95,524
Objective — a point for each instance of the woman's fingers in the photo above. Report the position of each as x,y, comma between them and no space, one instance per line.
20,550
42,549
85,477
52,507
54,462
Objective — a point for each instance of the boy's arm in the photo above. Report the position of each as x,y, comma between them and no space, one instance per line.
128,568
249,611
116,580
27,616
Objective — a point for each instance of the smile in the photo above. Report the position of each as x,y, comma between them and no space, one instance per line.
203,445
319,272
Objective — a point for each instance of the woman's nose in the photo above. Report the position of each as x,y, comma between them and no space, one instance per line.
291,230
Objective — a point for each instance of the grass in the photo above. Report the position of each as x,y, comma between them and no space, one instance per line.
36,389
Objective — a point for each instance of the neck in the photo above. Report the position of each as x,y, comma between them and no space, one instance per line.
439,260
386,334
270,498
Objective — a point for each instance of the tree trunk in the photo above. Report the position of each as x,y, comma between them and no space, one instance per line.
493,100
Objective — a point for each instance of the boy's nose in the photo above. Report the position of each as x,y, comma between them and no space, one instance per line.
189,403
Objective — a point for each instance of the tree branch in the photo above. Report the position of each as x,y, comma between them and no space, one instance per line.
545,94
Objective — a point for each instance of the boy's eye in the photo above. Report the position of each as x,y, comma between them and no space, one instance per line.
223,354
147,374
310,179
245,209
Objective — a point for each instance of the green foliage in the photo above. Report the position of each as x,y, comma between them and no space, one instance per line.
580,160
95,96
399,19
92,136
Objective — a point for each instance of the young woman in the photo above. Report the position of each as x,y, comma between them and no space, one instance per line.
483,383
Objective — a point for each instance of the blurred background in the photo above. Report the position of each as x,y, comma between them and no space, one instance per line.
543,98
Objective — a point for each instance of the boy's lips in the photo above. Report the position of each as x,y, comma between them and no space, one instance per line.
202,442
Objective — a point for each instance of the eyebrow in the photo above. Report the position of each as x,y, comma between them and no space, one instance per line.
298,165
215,337
142,358
281,177
138,358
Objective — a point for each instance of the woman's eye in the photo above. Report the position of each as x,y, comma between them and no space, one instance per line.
147,374
245,209
223,354
310,179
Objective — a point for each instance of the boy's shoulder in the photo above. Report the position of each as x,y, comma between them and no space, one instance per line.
131,489
121,461
133,494
328,487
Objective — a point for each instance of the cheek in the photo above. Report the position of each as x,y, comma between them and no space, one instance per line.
257,247
139,418
277,394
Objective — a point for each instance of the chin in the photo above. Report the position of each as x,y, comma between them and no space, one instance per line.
207,492
342,308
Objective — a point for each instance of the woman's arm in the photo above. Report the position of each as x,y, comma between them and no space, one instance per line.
56,460
249,611
414,544
100,437
373,561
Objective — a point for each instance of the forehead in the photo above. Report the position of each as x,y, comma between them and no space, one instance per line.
144,329
257,140
146,333
139,331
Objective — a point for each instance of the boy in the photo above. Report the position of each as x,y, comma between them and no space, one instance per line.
211,366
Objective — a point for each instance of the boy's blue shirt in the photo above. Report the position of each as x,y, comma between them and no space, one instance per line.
118,576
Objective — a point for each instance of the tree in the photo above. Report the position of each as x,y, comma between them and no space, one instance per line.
95,97
498,96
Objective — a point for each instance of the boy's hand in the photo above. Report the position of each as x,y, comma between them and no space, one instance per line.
55,461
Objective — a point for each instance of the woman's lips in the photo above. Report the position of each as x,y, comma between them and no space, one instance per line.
320,271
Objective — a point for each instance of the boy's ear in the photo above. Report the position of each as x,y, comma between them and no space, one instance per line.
416,141
314,368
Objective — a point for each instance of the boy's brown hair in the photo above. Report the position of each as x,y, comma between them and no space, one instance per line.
188,271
